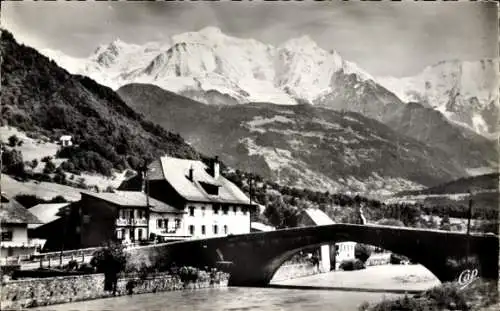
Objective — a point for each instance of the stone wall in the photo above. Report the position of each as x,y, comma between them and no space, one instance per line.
379,259
293,271
49,291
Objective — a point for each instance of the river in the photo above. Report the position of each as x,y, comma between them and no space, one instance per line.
332,291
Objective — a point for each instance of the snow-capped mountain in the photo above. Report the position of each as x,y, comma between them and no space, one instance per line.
214,68
465,92
245,70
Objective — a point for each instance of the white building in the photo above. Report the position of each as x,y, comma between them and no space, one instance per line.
14,221
66,140
212,205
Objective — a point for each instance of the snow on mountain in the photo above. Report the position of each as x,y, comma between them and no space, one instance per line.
208,60
465,92
218,69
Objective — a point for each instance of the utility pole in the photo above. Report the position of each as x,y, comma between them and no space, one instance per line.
469,216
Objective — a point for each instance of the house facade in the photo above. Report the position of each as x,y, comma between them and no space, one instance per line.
14,221
126,216
66,140
212,205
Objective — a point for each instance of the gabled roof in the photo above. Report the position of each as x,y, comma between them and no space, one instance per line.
176,171
318,217
12,212
133,199
47,213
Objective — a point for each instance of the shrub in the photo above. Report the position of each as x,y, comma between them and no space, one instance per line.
13,140
111,256
396,259
362,252
13,164
391,222
49,167
352,264
188,274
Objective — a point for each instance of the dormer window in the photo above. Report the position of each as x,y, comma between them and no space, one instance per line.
210,188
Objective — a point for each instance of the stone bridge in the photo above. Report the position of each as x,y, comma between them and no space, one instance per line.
255,257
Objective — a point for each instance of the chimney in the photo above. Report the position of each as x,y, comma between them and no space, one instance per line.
191,173
215,167
143,185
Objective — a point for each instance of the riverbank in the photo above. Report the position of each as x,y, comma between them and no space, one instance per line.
272,299
59,290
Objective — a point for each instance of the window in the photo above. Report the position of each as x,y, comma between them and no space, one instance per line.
131,213
159,223
139,234
177,223
6,236
225,229
216,209
203,229
216,229
191,229
165,223
132,234
244,210
191,211
235,209
203,210
225,210
119,234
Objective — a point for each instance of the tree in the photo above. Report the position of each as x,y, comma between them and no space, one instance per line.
445,223
110,260
362,252
13,141
12,161
49,167
391,222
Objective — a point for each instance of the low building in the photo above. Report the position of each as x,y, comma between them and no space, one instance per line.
212,205
66,140
48,232
260,227
14,221
124,216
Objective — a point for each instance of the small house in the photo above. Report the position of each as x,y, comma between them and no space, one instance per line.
14,221
66,140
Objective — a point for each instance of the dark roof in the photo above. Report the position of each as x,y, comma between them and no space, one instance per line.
47,213
12,212
133,199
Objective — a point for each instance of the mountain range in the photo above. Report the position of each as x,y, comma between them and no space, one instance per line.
303,145
348,133
217,69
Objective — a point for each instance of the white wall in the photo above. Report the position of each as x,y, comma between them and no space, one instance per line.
345,252
237,223
153,223
20,244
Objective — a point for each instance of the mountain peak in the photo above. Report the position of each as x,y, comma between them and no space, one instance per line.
302,43
211,31
208,35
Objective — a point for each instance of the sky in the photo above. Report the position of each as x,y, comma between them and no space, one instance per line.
383,38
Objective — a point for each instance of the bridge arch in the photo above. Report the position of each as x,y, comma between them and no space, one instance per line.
257,256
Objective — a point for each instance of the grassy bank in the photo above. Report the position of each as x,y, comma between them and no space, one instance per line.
449,296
